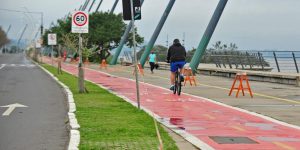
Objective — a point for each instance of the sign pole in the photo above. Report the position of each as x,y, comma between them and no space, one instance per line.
80,69
52,55
135,57
80,25
52,41
79,50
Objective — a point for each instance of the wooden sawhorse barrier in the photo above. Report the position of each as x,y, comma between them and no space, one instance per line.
140,69
241,77
86,62
189,76
103,64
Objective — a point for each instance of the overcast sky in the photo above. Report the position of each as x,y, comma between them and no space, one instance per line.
251,24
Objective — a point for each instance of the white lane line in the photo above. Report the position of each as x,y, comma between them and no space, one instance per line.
30,66
17,65
2,66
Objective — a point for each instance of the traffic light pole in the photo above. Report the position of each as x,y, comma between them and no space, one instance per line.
135,57
21,36
42,32
123,41
207,35
156,32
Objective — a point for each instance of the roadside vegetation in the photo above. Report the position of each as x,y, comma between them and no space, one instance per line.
109,122
3,38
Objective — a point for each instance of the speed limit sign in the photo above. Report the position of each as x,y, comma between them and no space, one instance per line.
52,39
80,22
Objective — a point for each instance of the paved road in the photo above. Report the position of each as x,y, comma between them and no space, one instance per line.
40,125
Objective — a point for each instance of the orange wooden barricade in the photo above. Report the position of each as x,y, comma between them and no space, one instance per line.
189,76
74,61
103,64
86,62
241,77
140,69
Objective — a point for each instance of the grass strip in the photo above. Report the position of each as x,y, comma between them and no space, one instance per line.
109,122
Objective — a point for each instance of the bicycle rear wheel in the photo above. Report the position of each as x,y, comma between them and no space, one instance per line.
178,84
175,85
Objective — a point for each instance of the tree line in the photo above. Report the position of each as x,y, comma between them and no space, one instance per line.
105,29
3,38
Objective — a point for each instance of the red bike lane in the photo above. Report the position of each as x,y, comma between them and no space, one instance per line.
205,123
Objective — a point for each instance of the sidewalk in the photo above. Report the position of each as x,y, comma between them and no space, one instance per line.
205,123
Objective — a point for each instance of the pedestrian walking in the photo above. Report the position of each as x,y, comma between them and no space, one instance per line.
152,61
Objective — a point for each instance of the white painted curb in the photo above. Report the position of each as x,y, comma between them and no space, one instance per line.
74,126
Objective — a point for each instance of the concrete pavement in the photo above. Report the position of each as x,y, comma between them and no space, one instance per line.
40,125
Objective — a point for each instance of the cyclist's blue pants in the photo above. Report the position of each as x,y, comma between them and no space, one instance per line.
176,65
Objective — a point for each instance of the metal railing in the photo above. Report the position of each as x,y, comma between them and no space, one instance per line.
279,61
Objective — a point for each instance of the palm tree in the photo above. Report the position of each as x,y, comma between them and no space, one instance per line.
233,46
225,46
217,46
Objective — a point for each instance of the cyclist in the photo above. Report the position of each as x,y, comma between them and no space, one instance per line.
176,58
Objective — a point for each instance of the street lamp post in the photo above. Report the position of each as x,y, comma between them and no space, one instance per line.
30,12
7,31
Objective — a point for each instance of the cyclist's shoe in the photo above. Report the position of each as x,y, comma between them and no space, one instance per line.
181,78
172,87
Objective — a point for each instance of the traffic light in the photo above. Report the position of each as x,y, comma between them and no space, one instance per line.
42,28
136,9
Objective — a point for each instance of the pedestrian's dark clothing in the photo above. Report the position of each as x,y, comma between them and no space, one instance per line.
103,54
152,66
176,53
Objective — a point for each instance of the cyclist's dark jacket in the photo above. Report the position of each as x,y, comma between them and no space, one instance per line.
176,52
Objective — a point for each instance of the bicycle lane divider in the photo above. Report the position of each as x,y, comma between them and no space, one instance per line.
184,113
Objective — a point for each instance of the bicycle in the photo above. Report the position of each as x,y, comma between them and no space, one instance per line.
178,85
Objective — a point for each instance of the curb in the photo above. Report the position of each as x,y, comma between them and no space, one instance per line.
73,124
